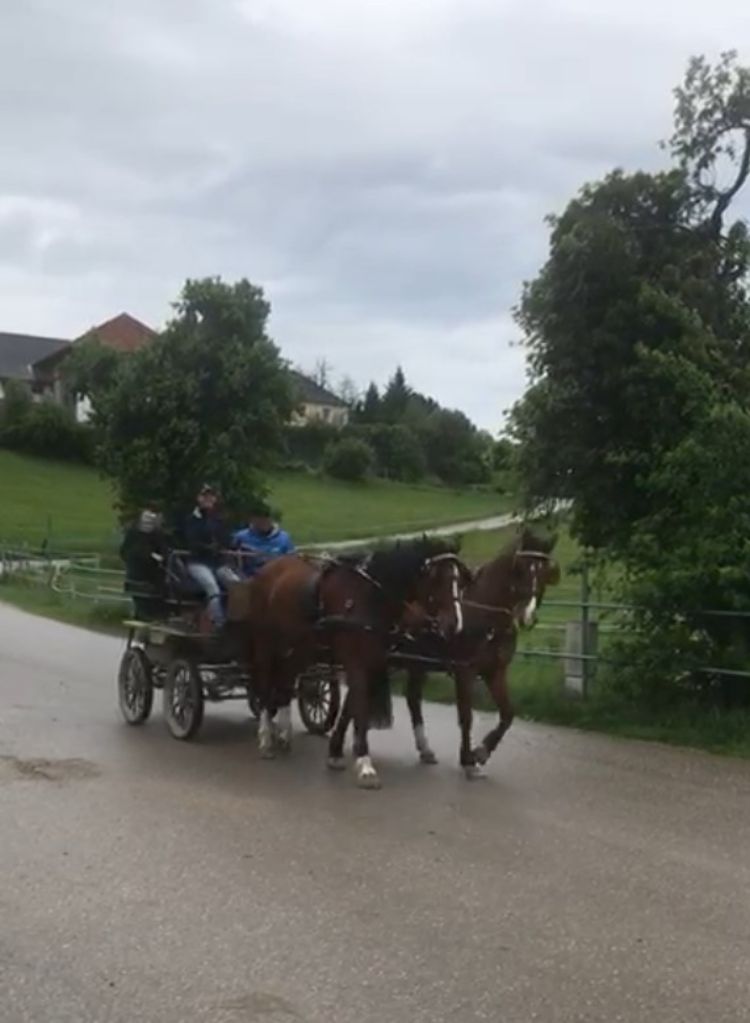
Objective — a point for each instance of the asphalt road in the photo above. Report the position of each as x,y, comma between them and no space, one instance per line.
147,880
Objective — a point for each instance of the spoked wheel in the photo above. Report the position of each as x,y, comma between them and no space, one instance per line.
319,698
135,688
183,699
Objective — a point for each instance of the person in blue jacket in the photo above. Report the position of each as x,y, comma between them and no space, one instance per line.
261,540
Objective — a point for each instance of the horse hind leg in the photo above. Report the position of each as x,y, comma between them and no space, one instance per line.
336,760
282,727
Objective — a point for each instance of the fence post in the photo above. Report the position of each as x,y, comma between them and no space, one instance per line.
585,628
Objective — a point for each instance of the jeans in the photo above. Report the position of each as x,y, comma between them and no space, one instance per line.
211,581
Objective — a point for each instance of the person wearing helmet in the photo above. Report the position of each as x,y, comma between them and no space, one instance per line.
261,540
207,539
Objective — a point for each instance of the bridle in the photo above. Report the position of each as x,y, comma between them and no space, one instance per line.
460,571
512,612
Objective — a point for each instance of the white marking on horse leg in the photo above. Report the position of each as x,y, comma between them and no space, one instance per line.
265,735
426,754
367,776
284,728
474,771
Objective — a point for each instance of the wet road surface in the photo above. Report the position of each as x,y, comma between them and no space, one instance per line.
147,880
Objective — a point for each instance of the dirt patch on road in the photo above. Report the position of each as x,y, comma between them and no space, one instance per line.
41,769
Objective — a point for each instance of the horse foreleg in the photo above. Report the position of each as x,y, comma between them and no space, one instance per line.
414,689
497,684
467,756
284,690
358,695
262,667
336,743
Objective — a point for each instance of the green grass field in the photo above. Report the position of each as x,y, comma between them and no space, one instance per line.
72,506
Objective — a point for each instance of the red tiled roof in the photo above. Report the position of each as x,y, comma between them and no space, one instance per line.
123,333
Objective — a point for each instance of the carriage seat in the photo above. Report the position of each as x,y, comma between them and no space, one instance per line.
179,582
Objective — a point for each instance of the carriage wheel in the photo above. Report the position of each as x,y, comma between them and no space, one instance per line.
135,688
183,699
319,699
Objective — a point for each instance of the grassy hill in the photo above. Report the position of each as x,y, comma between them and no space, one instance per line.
72,506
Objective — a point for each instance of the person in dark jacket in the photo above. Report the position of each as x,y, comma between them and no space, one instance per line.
144,550
207,539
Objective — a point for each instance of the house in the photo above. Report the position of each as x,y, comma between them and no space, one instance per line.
36,362
316,404
19,353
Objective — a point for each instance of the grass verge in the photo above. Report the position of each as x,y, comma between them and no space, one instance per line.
71,505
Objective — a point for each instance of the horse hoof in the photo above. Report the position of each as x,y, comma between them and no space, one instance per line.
480,754
427,756
368,781
336,763
284,744
474,771
367,776
266,748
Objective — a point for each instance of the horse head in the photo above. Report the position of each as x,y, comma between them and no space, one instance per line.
424,579
532,569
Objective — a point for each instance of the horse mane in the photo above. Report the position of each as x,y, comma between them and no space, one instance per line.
396,566
529,539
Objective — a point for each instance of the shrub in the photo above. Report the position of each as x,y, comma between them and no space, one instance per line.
43,429
349,459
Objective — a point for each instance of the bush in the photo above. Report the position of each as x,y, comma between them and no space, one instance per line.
306,444
44,429
349,459
398,451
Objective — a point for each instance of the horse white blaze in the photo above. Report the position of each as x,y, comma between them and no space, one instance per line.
528,615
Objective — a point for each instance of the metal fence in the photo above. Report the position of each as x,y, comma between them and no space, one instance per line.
577,625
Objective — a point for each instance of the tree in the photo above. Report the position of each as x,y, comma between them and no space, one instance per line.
638,333
634,271
321,373
395,399
91,367
454,449
207,400
399,452
348,391
349,459
368,410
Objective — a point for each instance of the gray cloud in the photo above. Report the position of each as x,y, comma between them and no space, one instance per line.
383,169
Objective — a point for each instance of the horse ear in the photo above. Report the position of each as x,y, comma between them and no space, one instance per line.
553,573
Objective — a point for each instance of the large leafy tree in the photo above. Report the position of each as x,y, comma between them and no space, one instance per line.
642,268
207,400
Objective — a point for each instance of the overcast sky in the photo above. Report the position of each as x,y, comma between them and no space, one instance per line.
381,167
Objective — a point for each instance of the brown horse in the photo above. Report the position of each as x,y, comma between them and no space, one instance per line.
505,595
349,606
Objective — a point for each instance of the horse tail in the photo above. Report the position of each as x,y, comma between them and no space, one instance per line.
380,704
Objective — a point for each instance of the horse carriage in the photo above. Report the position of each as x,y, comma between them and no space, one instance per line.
413,606
170,646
